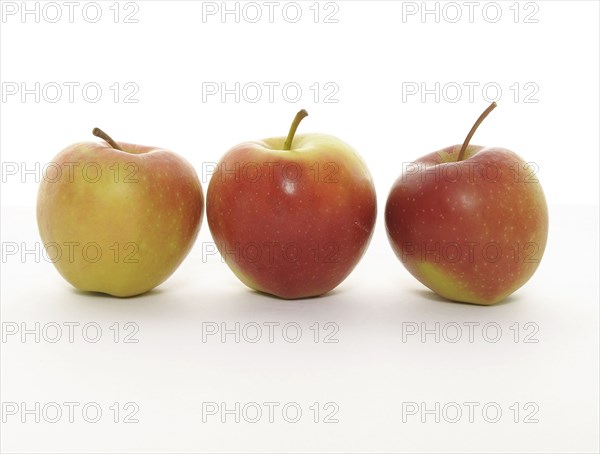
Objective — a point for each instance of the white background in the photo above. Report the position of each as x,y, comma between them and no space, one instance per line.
371,54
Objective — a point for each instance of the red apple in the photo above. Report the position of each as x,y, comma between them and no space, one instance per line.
469,222
118,218
292,216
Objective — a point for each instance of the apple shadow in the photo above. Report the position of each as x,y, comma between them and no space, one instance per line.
310,299
152,305
253,303
112,298
432,296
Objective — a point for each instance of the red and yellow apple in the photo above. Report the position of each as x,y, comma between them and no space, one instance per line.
118,218
292,216
469,222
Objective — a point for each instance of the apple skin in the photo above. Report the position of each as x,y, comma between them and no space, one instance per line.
472,231
301,227
143,217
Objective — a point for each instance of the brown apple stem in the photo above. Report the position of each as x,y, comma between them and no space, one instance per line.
465,144
99,133
299,116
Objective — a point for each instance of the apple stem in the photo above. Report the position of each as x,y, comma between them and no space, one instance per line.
465,144
299,116
99,133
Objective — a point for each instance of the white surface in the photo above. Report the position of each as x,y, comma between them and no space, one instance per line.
371,371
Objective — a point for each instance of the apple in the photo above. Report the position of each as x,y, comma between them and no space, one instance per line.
118,218
292,216
469,222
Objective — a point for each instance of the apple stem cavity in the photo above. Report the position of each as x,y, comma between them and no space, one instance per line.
299,116
465,144
99,133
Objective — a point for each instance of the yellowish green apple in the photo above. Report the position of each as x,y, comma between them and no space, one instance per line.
118,218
